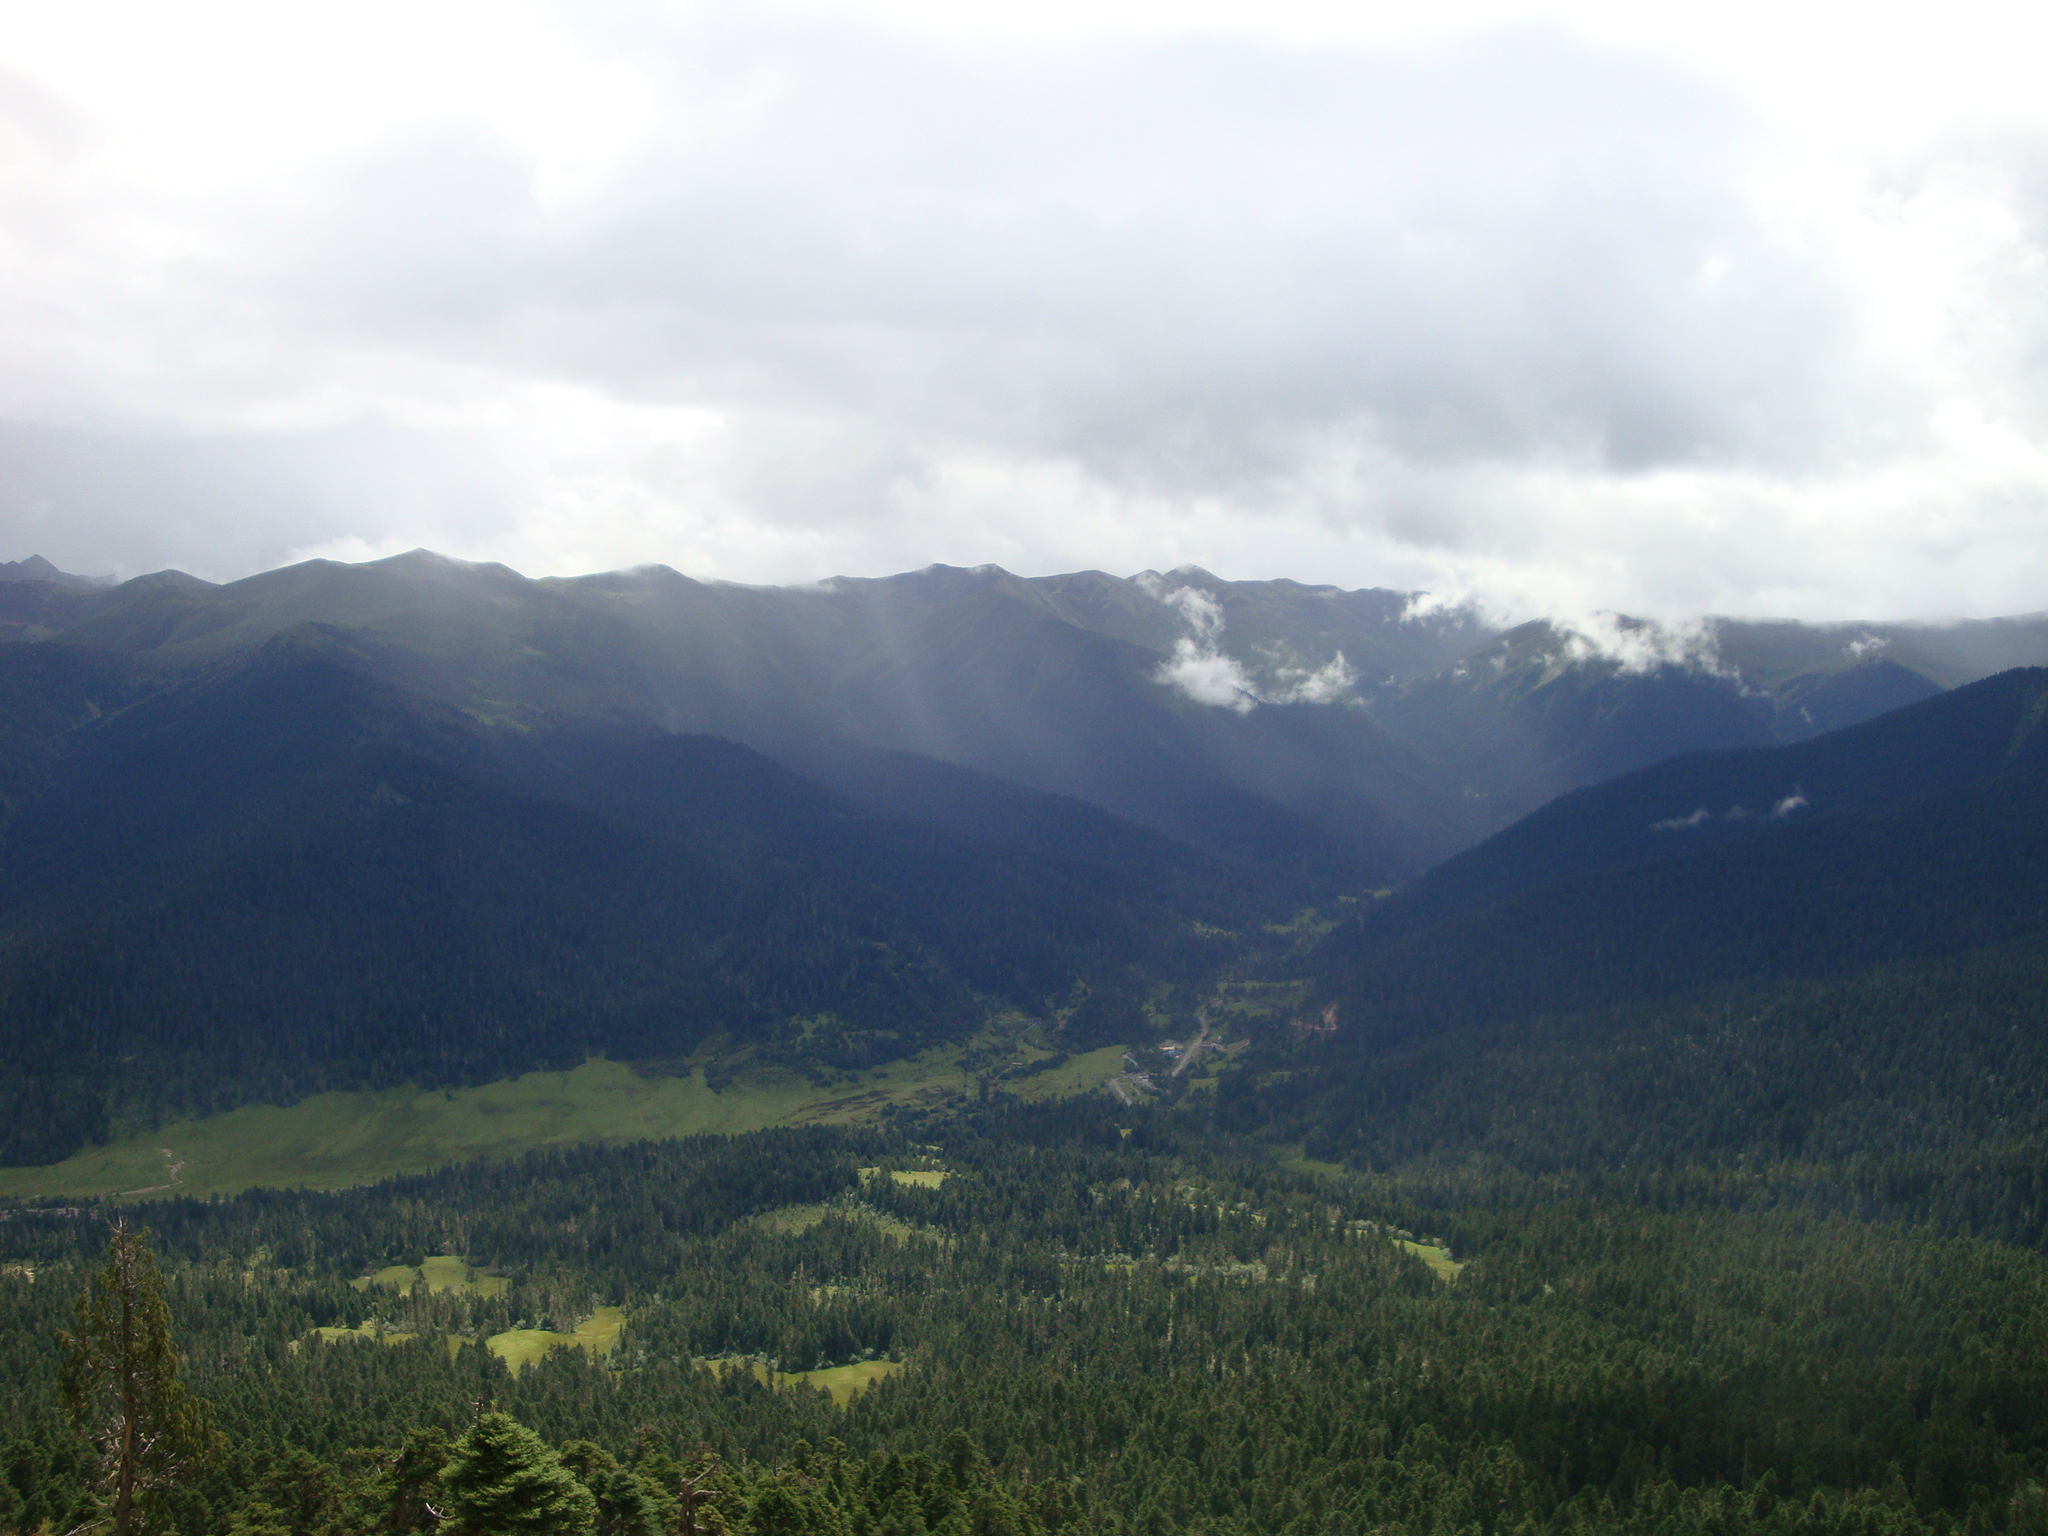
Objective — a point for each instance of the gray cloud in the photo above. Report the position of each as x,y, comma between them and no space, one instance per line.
125,503
1175,260
1502,315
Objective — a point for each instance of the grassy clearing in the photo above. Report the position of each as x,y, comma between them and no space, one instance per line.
1438,1260
792,1219
890,1226
842,1381
370,1331
922,1178
1081,1074
442,1272
598,1333
336,1139
1294,1162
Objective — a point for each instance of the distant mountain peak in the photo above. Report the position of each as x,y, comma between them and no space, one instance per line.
36,568
432,561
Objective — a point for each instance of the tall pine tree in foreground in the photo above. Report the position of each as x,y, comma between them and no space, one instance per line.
119,1387
502,1481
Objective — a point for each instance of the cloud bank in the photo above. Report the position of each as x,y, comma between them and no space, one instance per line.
1504,313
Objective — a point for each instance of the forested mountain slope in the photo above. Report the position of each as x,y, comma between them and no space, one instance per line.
1530,716
1835,949
1695,1128
1369,731
283,874
1751,801
423,821
1079,1321
969,667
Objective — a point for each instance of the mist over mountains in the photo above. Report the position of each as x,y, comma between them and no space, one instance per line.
423,821
1255,718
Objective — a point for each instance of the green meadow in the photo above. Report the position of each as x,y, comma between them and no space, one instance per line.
842,1381
332,1140
517,1347
598,1333
1438,1259
372,1331
442,1272
790,1220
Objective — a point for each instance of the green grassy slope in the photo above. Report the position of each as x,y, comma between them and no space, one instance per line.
332,1140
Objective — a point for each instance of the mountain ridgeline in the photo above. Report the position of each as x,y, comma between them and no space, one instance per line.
1570,1079
1365,732
421,822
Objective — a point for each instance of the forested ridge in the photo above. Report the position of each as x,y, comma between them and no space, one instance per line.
1672,971
284,876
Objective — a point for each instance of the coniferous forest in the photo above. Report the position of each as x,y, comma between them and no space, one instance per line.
1131,768
1094,1320
1673,1159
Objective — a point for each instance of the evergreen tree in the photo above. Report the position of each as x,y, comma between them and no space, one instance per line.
304,1491
260,1519
502,1481
782,1510
623,1505
411,1484
119,1386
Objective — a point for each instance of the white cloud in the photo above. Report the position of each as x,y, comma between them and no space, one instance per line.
1642,645
1204,615
1698,818
1207,676
1331,683
1200,668
1796,801
1615,310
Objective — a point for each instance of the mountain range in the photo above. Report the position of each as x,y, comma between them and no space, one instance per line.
1365,731
417,820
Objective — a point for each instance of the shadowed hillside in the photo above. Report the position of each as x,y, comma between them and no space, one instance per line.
284,875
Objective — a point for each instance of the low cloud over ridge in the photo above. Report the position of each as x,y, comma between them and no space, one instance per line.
1200,668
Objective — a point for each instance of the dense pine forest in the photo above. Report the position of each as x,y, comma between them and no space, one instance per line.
1673,1160
1073,1318
285,877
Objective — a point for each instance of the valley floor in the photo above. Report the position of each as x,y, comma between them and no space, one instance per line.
333,1140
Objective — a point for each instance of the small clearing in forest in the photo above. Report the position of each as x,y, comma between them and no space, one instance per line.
842,1381
442,1272
598,1333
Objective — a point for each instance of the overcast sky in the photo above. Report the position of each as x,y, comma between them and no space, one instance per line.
1564,308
